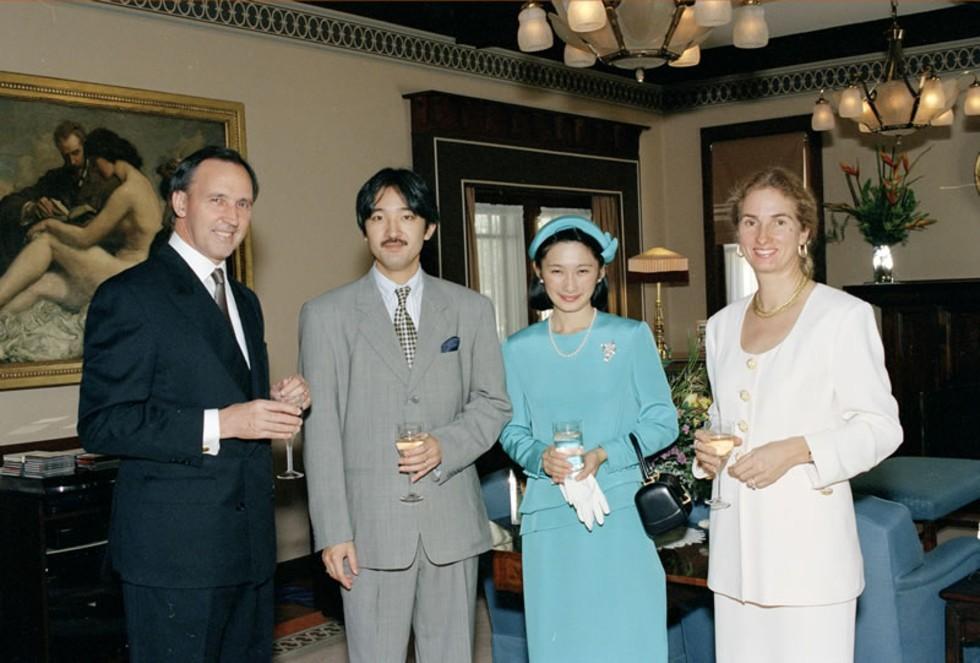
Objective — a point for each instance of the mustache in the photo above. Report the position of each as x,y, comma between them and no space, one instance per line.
394,241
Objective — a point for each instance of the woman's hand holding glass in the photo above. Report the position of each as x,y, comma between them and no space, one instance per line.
764,465
709,458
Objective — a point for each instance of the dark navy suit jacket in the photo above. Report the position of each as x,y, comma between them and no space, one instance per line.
158,352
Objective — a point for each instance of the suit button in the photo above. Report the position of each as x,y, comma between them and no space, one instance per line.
744,395
240,506
415,399
751,363
827,491
743,425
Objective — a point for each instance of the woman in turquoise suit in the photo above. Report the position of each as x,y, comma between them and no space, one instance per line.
593,591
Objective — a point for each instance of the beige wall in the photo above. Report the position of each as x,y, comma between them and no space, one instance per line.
318,124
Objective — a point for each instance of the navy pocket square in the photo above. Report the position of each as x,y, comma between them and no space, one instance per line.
451,344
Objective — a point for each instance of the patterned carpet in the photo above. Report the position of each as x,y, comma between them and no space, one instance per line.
307,640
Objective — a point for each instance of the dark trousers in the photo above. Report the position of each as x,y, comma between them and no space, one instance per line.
215,624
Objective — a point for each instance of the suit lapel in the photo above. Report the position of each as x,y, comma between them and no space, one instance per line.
435,328
377,329
194,302
254,341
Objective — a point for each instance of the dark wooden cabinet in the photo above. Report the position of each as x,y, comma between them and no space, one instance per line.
57,602
931,335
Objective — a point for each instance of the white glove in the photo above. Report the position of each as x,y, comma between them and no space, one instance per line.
587,498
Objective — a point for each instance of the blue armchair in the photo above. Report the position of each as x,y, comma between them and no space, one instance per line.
508,638
900,617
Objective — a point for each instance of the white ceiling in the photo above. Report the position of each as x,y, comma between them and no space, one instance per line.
789,17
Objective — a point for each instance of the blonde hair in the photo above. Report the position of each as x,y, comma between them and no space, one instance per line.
790,185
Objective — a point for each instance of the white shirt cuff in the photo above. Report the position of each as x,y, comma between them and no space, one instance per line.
212,433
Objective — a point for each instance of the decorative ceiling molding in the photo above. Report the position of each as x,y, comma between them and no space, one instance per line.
333,30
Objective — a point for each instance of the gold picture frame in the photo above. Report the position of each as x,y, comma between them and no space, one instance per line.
162,126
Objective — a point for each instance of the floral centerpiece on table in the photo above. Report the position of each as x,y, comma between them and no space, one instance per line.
691,394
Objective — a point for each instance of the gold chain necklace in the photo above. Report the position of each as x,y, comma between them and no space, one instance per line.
763,313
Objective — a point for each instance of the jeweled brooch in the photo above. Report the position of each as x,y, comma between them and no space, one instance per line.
608,350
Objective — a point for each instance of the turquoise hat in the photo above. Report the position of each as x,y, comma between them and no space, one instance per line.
607,242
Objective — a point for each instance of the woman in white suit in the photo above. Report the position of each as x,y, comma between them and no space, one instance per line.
798,369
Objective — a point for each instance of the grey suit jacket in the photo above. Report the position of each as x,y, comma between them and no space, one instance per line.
362,388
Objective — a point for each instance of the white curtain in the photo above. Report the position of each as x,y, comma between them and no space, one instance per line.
503,263
549,213
739,277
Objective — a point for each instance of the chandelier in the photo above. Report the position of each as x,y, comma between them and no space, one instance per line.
893,106
637,34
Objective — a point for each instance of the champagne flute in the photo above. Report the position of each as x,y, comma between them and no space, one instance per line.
291,474
411,435
721,438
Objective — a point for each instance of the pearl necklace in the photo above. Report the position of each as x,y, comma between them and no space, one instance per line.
763,313
588,332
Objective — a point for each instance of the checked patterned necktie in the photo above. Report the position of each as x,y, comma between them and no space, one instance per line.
408,337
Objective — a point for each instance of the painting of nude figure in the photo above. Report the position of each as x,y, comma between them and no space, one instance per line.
83,173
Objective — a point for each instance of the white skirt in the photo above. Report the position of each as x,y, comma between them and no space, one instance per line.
751,633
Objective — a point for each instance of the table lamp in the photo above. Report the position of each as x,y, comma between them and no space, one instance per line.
659,265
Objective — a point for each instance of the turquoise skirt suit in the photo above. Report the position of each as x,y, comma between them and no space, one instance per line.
600,595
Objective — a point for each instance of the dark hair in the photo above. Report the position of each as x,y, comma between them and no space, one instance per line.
111,147
537,296
65,129
416,192
182,176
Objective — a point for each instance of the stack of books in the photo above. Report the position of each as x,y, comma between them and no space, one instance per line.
89,461
40,464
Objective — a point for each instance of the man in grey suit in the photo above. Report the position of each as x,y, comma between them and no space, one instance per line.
400,346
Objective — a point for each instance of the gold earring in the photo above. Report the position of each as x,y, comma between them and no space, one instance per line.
802,251
738,251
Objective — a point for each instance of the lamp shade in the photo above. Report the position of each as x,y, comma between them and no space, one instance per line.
533,32
850,102
578,57
943,119
688,58
823,116
659,265
586,15
712,13
971,104
750,29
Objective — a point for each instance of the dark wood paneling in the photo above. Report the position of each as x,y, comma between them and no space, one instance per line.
931,334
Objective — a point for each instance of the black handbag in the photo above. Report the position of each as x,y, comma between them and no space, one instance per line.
661,501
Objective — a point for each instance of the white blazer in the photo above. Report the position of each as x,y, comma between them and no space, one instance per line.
795,542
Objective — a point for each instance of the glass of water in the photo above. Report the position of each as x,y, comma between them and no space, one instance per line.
567,436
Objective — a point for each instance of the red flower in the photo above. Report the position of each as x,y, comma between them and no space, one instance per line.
905,163
888,160
850,170
892,196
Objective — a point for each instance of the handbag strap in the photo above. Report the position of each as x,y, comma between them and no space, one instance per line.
644,466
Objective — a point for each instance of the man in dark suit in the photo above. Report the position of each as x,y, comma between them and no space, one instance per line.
176,381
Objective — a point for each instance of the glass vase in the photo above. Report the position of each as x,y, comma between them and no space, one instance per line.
881,262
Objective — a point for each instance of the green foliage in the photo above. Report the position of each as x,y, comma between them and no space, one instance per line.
886,211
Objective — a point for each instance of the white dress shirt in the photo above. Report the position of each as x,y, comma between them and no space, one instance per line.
203,267
414,302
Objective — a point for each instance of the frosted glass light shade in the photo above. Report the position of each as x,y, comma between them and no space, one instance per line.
971,104
943,119
850,102
688,58
712,13
932,98
750,30
586,15
533,32
578,57
823,116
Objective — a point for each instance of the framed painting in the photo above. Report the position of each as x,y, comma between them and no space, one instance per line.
69,220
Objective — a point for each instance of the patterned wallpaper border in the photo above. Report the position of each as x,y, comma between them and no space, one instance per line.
333,30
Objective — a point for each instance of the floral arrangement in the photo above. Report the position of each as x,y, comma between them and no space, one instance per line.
885,211
691,394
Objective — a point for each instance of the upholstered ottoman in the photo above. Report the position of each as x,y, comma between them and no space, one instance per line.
931,488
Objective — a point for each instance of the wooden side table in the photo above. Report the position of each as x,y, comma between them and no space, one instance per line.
962,615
